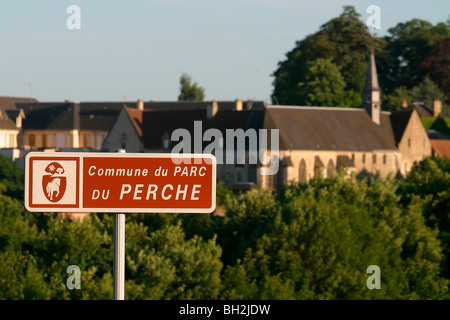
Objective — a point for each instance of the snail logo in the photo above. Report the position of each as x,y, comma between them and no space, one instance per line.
54,182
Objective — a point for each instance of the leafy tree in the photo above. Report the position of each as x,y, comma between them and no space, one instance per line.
329,232
393,101
21,278
190,91
408,45
162,265
430,180
324,84
12,177
344,39
426,91
248,217
436,65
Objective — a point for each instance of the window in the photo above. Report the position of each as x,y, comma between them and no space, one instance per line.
330,169
60,140
44,141
32,140
364,158
374,159
384,159
302,171
87,140
409,143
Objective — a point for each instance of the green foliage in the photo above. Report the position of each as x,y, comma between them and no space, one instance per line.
412,63
162,265
426,92
345,40
189,91
393,101
430,181
329,234
409,44
311,241
324,84
438,124
12,177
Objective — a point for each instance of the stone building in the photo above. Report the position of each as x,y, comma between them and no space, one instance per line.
313,141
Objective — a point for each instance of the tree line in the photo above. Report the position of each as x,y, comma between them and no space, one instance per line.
310,241
328,68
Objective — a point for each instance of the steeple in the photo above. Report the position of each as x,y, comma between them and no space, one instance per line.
371,99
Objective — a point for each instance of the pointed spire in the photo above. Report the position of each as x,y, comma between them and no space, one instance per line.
372,76
371,93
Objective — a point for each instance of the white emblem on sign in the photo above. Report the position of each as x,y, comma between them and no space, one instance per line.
54,182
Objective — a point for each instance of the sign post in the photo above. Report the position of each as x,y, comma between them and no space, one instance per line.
119,253
120,183
119,256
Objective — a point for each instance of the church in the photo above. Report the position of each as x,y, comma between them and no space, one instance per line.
313,141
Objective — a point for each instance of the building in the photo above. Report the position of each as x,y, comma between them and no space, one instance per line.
68,125
436,124
313,141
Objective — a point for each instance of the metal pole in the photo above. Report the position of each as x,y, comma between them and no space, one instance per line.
119,256
119,253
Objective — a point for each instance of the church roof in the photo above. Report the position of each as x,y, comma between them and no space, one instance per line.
328,128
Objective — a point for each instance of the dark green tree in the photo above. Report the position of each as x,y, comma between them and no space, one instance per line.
190,91
327,235
408,45
12,177
426,92
324,84
430,180
345,39
393,101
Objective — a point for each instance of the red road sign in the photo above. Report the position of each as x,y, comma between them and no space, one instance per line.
120,182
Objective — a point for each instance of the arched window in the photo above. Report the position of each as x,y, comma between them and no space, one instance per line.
331,170
318,167
302,171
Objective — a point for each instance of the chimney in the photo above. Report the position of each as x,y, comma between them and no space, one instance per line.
437,107
404,104
238,104
76,124
212,109
140,104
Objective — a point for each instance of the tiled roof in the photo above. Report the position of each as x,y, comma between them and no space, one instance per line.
441,147
96,116
399,122
10,102
328,128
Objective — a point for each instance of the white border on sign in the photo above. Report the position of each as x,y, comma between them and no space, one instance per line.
117,155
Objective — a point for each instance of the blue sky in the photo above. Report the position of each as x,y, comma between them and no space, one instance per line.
138,49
